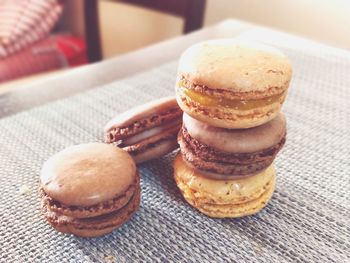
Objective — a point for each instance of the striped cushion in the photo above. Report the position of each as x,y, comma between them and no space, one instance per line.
51,53
23,22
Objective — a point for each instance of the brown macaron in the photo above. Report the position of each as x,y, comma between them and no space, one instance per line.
226,153
148,131
89,189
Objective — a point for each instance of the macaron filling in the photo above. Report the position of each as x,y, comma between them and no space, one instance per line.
116,133
152,142
226,152
213,162
215,175
212,101
147,131
89,211
209,101
104,221
152,132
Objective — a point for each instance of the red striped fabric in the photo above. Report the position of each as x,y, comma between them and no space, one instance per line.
51,53
23,22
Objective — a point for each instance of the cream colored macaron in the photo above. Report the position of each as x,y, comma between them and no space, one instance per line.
224,198
232,84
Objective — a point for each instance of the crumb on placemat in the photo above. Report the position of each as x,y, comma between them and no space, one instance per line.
25,190
109,259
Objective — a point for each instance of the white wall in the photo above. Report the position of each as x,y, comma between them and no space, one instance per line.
125,28
324,20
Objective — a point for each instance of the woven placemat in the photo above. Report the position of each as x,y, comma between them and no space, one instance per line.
307,219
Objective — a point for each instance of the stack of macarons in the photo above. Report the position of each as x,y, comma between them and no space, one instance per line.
226,119
231,94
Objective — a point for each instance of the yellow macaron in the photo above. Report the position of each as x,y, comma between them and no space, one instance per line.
231,84
224,198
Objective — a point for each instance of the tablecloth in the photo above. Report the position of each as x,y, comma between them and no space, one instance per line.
307,219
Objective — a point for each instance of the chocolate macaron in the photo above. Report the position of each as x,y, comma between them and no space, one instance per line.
232,84
226,153
148,131
89,189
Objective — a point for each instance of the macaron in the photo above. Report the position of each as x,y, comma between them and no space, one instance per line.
220,153
224,198
89,189
147,131
232,84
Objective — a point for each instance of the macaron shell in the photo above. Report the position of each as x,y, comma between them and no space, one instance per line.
221,191
232,210
155,146
237,140
69,229
97,226
88,174
229,118
159,150
140,112
234,65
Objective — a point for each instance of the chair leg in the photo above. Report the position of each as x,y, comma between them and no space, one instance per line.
92,30
194,15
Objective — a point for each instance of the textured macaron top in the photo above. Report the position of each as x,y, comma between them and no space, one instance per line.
222,189
141,112
229,64
237,140
88,174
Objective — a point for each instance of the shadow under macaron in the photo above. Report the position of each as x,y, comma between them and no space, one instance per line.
160,172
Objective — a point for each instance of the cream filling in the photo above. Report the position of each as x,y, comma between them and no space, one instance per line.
212,101
151,132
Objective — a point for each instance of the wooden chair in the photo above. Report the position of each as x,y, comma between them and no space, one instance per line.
192,11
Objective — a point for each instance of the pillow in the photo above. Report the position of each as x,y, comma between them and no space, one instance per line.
54,52
23,22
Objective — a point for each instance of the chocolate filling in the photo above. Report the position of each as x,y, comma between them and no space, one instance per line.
207,153
135,150
117,134
206,158
104,221
86,211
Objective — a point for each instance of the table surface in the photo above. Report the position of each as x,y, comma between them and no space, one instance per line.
306,220
97,74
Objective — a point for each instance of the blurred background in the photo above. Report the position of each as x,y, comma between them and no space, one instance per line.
41,37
